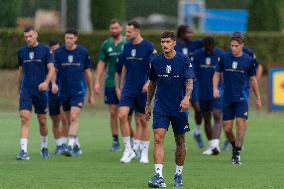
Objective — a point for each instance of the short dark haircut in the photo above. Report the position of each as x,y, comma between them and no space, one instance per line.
115,20
135,24
237,36
208,41
53,41
29,28
181,30
168,34
71,31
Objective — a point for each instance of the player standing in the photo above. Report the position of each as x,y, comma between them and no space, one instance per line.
171,76
236,67
205,61
109,52
74,72
36,70
186,45
60,133
136,59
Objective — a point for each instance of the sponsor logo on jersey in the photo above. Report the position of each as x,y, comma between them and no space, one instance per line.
109,49
70,58
168,69
133,52
31,55
235,65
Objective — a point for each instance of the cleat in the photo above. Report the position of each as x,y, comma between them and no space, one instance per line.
23,155
216,151
44,153
68,151
127,156
64,148
58,150
208,151
157,182
76,150
198,139
227,145
178,180
115,146
236,157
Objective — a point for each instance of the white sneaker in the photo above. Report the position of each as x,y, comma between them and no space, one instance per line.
127,156
144,159
208,151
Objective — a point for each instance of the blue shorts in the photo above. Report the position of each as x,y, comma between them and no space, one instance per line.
53,104
235,109
179,122
36,99
136,102
110,96
195,93
209,105
74,101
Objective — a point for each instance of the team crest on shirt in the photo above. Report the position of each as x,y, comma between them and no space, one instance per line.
208,61
168,69
234,65
218,59
31,55
133,52
185,51
70,58
109,49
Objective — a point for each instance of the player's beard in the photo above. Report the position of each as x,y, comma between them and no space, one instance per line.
115,35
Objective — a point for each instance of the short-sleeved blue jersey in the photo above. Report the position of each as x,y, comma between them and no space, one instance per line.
71,66
252,55
170,76
33,61
136,58
119,64
236,71
205,66
188,48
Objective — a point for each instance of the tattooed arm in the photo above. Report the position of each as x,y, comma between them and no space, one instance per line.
185,102
150,94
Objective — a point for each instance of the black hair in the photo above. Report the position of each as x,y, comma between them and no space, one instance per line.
53,41
135,24
29,28
181,30
168,34
71,31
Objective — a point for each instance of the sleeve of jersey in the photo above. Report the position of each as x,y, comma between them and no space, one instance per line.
88,62
56,63
153,52
189,72
49,57
20,61
152,74
119,64
251,70
102,54
219,66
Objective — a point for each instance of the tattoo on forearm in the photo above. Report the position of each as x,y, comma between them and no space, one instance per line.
189,87
151,91
180,149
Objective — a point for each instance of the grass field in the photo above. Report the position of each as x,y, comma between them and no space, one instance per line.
263,161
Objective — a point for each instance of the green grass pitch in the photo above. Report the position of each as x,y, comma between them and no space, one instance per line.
98,167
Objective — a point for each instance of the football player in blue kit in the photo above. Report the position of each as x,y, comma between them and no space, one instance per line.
74,73
171,80
60,133
236,67
136,60
205,61
186,45
258,75
36,70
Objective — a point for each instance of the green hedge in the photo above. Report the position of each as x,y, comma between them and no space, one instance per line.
267,46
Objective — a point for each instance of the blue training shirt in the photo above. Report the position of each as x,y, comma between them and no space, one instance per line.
205,66
170,76
236,71
136,59
71,66
33,61
189,47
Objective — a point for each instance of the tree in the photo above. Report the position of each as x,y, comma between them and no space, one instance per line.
10,11
265,15
102,12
